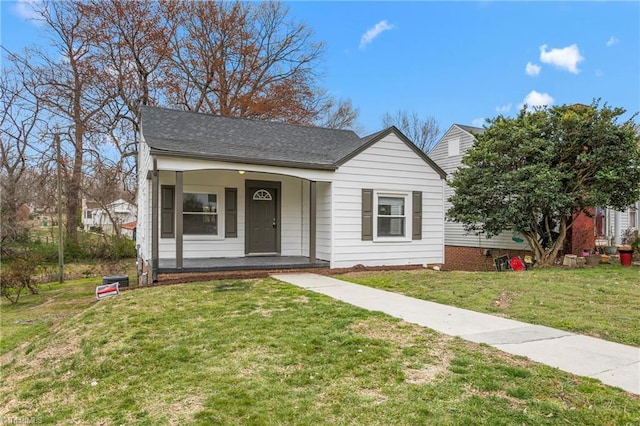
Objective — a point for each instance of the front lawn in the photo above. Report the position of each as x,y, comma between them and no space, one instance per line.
263,352
601,302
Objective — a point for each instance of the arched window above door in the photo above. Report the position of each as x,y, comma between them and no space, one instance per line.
262,195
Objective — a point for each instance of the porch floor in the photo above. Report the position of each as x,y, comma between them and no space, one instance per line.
168,266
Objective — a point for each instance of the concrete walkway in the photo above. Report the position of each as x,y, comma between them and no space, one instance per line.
612,363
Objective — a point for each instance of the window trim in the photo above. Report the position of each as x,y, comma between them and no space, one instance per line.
220,213
408,208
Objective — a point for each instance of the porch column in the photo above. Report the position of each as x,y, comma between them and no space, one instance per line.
155,188
312,222
617,227
179,224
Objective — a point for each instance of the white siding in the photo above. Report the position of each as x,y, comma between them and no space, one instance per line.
143,233
292,228
388,165
617,222
455,234
323,221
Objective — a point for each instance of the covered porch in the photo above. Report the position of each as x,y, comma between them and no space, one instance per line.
218,219
250,263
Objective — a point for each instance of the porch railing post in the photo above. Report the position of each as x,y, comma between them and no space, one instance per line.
312,222
179,224
155,188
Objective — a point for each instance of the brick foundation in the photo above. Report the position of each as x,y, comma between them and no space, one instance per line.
474,258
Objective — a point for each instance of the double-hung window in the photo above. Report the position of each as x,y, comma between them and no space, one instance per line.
200,213
391,216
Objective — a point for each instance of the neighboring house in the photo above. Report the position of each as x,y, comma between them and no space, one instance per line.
95,218
611,224
463,250
213,188
473,252
129,229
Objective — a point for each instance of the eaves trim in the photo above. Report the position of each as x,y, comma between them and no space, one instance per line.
244,160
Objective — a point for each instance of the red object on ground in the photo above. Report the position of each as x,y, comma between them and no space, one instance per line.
517,264
626,257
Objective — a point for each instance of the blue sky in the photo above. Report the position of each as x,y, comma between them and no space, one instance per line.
460,62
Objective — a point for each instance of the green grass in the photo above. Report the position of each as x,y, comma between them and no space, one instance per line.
261,352
602,302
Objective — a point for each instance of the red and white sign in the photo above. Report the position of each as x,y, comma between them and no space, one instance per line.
107,290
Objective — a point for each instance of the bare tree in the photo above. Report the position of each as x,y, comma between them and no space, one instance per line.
423,132
19,126
244,60
133,39
339,115
72,86
107,58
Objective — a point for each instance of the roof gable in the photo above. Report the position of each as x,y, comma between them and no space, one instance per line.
375,137
471,130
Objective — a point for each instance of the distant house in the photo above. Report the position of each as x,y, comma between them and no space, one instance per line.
129,229
105,220
218,192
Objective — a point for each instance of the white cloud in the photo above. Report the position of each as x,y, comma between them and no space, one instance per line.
535,99
478,122
374,32
566,58
612,40
25,9
532,69
503,109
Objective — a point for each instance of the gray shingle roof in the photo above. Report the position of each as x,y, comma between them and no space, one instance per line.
245,141
189,134
471,129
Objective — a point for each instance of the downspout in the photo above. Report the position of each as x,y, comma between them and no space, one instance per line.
154,221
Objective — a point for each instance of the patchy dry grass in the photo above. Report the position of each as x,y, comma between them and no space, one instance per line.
262,352
601,302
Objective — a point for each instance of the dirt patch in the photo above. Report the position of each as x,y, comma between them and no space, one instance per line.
424,375
375,395
503,301
407,335
400,333
441,352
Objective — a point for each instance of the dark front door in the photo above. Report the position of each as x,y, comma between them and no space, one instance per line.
263,227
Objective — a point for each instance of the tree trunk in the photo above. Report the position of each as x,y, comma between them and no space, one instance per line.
546,257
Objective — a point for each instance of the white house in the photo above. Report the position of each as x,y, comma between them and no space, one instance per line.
611,224
106,219
464,250
216,192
